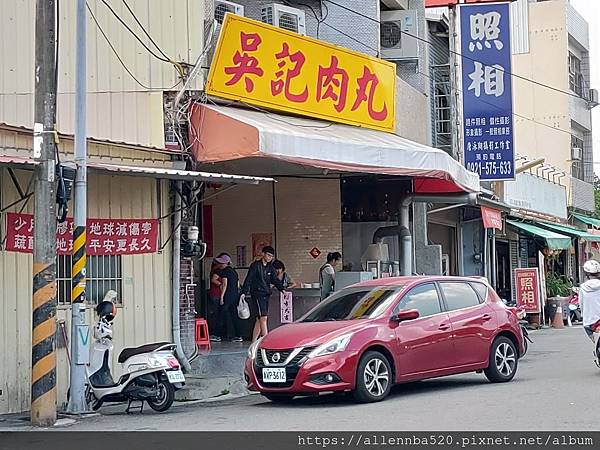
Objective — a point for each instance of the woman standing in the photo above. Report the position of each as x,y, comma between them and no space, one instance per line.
214,299
230,295
327,274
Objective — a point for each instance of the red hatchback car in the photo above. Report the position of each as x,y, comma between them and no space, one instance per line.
369,336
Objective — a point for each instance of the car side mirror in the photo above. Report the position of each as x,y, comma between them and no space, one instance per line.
406,314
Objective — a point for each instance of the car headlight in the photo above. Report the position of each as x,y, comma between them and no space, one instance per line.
335,345
253,349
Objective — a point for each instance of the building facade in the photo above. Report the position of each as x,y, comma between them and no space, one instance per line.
128,89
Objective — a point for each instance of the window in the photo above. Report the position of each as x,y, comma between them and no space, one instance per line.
482,290
423,298
103,274
353,303
577,157
459,295
575,77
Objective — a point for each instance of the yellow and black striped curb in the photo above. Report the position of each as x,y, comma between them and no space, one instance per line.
43,356
78,269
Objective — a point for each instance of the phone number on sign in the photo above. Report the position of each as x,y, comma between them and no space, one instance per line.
488,168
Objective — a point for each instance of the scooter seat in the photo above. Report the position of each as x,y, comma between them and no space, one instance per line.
127,353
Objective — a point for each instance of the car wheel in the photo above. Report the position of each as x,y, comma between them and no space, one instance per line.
279,398
503,361
373,378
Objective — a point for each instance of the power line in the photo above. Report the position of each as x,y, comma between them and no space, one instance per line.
419,38
144,30
430,78
160,58
119,57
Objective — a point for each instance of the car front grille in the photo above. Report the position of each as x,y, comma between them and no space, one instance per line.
291,369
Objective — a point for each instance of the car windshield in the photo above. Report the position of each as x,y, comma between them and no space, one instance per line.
353,303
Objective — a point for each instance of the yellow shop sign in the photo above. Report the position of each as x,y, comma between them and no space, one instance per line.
266,66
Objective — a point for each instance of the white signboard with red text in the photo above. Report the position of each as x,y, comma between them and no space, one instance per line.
527,288
104,236
287,312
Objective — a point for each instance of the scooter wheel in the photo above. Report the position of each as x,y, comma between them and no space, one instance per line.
164,398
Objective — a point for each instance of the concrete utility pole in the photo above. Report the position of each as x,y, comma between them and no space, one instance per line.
43,355
79,330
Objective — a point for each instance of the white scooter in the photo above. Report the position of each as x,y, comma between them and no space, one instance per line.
151,372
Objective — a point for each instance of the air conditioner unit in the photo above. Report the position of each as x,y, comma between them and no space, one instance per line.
222,7
576,153
594,98
285,17
397,35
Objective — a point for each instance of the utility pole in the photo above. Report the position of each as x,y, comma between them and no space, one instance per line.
43,352
79,330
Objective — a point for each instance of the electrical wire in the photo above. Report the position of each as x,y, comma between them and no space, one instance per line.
430,78
160,58
144,30
419,38
119,57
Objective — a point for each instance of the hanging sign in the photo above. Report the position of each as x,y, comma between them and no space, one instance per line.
104,236
487,91
267,66
492,218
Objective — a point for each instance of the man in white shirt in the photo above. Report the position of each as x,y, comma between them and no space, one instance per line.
589,297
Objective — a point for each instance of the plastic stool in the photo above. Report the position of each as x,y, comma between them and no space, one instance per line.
201,335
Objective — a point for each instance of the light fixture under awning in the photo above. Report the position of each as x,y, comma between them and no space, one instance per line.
225,133
554,240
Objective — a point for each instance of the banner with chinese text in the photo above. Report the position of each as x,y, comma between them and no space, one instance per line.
285,303
104,236
487,91
267,66
527,289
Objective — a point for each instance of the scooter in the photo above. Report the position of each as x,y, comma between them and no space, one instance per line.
574,307
520,312
151,372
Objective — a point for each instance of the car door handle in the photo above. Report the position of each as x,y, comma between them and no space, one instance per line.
486,317
444,326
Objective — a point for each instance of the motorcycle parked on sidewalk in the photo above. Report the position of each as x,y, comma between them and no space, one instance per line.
151,372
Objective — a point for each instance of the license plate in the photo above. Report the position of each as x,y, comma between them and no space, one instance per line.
273,375
175,376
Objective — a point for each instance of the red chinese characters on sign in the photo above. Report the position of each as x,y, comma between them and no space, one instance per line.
333,84
245,64
283,84
527,289
492,218
104,236
366,93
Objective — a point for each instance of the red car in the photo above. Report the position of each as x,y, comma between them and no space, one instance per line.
370,336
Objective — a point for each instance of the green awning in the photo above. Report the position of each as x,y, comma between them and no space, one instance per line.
589,220
554,240
571,231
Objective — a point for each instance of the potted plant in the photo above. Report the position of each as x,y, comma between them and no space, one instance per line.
557,285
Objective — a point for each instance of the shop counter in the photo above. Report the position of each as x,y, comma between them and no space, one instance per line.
303,300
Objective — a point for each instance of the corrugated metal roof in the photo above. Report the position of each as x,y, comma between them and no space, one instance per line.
176,174
519,27
154,172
